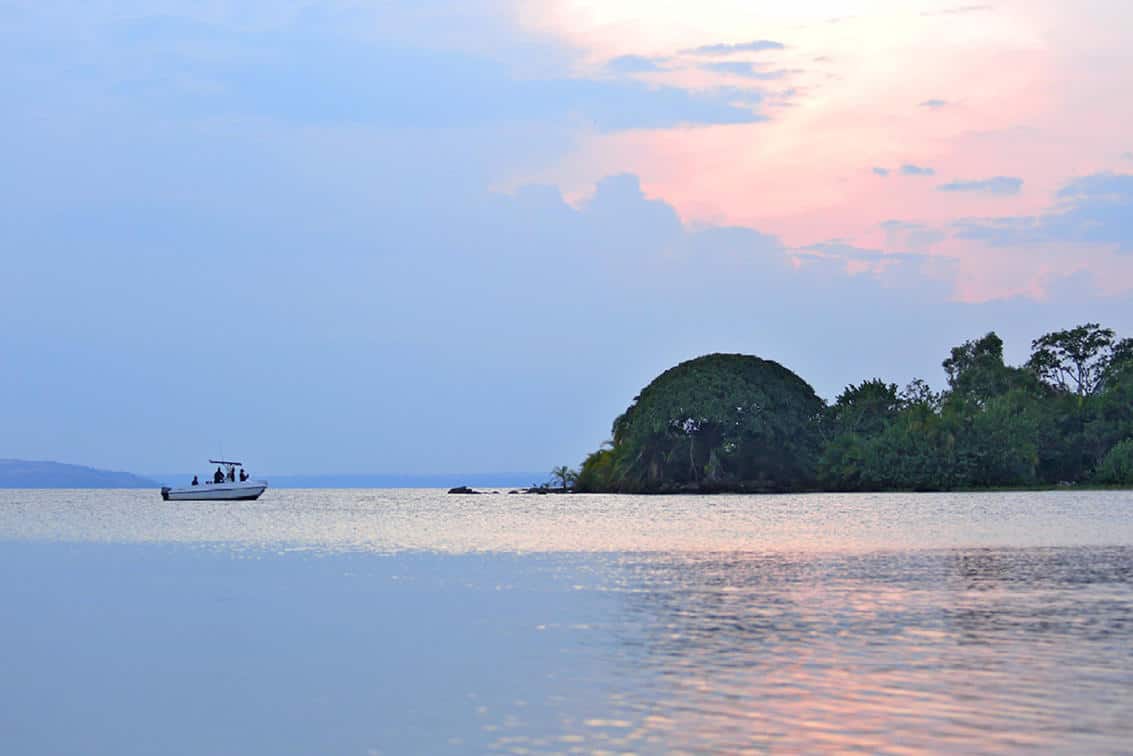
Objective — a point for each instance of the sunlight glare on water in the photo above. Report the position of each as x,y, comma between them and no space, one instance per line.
389,520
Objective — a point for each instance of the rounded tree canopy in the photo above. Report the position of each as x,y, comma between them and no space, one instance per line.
719,421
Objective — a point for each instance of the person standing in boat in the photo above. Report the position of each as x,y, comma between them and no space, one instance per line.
231,474
218,476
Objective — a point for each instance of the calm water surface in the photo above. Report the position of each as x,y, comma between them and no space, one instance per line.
412,621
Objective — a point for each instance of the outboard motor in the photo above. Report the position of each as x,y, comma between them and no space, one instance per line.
165,493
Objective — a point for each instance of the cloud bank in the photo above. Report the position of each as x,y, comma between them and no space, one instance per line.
744,68
758,45
909,169
998,185
1096,209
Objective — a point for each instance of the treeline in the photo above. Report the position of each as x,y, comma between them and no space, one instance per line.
1066,416
730,422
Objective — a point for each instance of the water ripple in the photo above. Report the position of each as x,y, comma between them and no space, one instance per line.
522,624
399,520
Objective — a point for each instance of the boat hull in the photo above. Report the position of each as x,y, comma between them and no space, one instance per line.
248,491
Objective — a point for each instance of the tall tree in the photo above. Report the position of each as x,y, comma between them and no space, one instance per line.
1076,360
1120,364
919,393
564,475
976,371
865,408
719,420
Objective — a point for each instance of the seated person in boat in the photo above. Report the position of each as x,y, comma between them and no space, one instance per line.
195,481
243,475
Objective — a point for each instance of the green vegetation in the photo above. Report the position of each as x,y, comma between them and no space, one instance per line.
564,476
727,422
1116,467
720,422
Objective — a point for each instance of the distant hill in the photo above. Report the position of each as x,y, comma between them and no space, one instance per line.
21,473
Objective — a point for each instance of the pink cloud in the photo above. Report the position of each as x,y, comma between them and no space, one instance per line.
1021,102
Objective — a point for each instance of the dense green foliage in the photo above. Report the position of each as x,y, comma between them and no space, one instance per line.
1116,467
723,421
733,422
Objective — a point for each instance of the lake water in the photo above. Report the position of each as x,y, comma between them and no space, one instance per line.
384,621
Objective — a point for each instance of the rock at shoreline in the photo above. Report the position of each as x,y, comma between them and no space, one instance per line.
533,490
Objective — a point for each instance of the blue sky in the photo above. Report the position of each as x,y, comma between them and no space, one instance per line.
449,237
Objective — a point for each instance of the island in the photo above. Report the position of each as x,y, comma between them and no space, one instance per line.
22,473
738,423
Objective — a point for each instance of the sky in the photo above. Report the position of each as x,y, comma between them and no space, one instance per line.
450,236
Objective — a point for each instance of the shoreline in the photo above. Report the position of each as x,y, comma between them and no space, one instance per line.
753,491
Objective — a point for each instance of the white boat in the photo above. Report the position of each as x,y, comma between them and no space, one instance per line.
232,487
